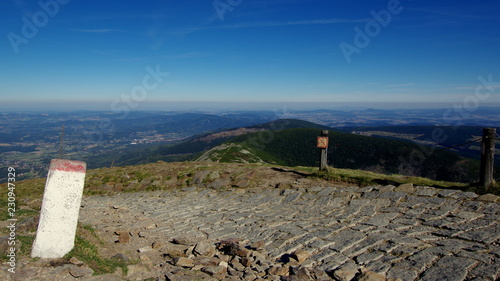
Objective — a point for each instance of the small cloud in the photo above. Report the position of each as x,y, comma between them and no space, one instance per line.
103,30
288,23
473,88
187,55
400,85
185,31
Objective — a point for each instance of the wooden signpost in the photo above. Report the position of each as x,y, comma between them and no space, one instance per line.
322,143
487,157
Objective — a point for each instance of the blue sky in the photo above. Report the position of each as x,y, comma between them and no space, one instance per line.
92,53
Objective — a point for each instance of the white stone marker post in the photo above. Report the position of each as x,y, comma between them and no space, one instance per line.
62,198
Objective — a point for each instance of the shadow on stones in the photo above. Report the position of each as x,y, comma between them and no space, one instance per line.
285,258
290,171
385,182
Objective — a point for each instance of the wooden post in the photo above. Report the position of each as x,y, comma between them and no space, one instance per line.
61,142
323,144
487,157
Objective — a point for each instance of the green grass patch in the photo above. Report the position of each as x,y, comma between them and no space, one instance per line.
366,178
4,214
86,250
26,213
26,244
23,247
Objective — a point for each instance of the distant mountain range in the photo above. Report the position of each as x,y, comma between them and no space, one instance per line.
30,140
291,142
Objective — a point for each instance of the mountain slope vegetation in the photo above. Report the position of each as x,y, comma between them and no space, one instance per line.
463,139
191,147
290,142
297,147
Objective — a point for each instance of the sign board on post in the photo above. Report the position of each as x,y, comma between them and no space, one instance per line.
62,198
322,142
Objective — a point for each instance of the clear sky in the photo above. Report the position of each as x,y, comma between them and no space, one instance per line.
116,52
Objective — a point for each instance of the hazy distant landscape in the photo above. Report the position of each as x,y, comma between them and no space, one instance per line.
30,139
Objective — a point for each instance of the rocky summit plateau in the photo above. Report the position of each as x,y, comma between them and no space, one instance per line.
235,222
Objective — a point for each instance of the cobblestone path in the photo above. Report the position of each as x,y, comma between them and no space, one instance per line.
405,232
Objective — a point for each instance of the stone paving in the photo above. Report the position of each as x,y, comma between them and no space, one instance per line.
405,232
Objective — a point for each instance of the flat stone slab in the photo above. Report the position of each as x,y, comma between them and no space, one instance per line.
428,234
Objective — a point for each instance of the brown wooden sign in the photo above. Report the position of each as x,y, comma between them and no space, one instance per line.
322,142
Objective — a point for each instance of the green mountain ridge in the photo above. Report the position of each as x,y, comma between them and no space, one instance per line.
297,147
290,142
190,148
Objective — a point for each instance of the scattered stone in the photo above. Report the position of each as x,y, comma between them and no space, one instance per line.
244,182
136,271
406,187
77,271
151,226
121,257
425,191
186,240
28,224
58,262
258,257
174,250
246,262
145,249
4,244
158,244
371,276
188,275
219,183
489,198
278,270
232,247
223,264
123,236
204,249
199,177
250,276
213,175
238,266
21,274
300,255
207,261
346,272
184,262
75,261
216,271
258,246
300,274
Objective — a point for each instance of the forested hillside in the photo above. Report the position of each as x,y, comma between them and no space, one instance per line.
297,147
190,148
293,143
464,139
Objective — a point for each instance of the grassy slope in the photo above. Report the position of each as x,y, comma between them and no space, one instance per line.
294,147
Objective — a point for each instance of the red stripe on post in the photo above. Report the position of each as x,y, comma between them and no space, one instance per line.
68,165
